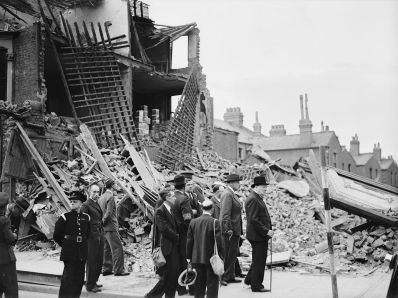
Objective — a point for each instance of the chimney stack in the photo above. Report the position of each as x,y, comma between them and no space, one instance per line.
377,152
257,126
322,127
234,117
305,124
354,146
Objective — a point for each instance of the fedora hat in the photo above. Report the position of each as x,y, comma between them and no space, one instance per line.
179,180
259,180
232,178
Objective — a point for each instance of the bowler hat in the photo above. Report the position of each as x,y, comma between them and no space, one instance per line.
259,180
77,196
232,178
4,198
179,180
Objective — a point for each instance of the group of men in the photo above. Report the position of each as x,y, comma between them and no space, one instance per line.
188,227
90,241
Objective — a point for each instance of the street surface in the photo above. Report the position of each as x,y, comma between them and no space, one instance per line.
284,285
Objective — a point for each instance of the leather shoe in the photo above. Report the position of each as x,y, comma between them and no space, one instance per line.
94,289
122,274
234,281
98,285
182,292
105,273
262,290
242,275
224,283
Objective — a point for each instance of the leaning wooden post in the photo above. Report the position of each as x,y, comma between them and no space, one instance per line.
326,200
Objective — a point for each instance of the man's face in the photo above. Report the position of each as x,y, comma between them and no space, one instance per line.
75,204
171,198
235,185
261,189
94,192
189,186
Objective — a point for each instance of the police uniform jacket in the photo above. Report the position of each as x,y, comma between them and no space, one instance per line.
258,219
71,232
231,212
7,240
167,226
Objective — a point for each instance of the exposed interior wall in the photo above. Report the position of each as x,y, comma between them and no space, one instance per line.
114,11
160,57
161,101
26,75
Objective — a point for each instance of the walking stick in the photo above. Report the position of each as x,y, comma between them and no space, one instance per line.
270,277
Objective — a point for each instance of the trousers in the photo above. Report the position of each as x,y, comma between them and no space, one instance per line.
94,260
206,278
8,280
231,250
72,280
255,276
113,253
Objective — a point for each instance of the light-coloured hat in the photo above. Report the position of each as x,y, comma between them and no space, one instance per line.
207,204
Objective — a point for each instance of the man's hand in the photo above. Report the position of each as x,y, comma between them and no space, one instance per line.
270,233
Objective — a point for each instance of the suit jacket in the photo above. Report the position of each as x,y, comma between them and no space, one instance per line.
94,211
72,224
7,240
231,212
200,239
182,210
216,206
195,205
108,208
258,219
167,227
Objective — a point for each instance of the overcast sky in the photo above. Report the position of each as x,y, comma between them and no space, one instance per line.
261,55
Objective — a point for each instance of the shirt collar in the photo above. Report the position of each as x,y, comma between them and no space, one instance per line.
167,207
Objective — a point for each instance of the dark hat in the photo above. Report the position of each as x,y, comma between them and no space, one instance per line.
187,174
232,178
259,180
77,196
179,180
4,198
109,182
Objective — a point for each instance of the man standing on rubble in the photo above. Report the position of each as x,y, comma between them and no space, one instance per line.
231,227
183,214
8,271
113,251
71,232
258,232
95,241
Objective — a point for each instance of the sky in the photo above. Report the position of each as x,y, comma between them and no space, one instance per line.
260,55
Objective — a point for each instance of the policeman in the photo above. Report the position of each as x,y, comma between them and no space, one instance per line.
71,232
8,271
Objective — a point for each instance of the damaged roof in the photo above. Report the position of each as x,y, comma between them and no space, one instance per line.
363,158
245,134
289,142
164,33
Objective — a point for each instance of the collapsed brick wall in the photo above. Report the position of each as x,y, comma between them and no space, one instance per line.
26,78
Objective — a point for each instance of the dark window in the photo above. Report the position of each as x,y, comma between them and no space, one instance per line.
391,178
376,173
240,153
349,167
342,166
370,173
3,74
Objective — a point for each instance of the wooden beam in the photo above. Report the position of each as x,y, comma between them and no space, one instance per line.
43,167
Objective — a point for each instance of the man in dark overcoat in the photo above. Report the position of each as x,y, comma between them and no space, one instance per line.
8,271
95,241
113,250
217,189
258,232
183,213
231,227
202,234
71,232
166,226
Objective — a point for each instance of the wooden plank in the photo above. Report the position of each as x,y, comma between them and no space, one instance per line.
43,167
279,258
140,164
